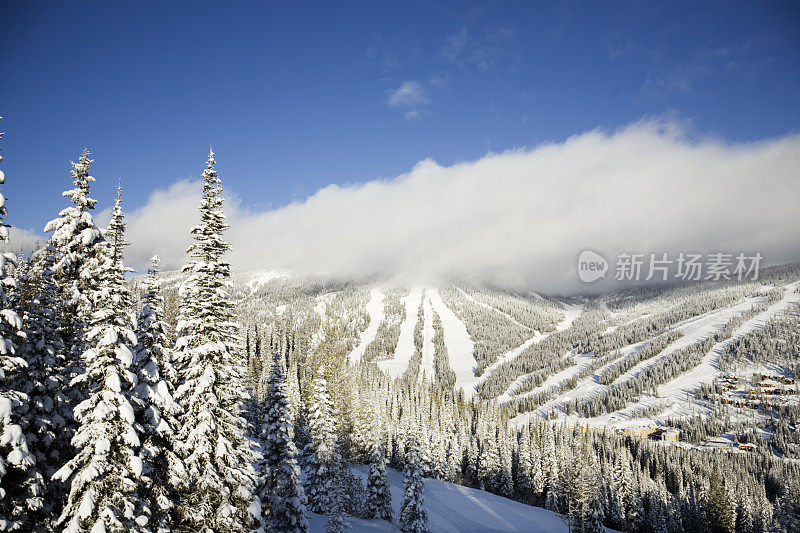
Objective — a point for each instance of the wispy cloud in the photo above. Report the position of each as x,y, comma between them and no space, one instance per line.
480,53
516,219
410,93
411,97
744,59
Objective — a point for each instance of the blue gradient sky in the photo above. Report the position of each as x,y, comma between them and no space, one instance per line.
295,96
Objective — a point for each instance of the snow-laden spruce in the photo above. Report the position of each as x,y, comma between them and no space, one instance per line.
413,516
320,450
106,476
379,500
44,381
75,237
157,411
282,497
21,484
211,370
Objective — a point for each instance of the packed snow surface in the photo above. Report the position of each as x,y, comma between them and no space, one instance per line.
455,509
405,343
459,345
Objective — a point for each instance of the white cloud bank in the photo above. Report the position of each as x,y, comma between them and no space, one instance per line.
517,219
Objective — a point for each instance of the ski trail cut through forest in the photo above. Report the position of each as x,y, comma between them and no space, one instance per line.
405,342
689,381
428,353
376,315
459,345
491,308
571,312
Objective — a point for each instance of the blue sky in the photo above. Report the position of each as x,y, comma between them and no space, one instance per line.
295,96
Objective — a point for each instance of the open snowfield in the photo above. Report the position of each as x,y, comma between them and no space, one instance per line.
456,509
459,345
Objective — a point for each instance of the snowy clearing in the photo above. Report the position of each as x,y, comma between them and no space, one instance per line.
455,509
459,345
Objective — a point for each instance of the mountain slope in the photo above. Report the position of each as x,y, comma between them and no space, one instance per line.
456,509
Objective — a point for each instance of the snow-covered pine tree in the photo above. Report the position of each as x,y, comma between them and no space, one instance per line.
720,507
211,372
502,481
379,499
106,476
413,516
523,482
320,450
44,380
115,233
21,484
75,237
552,484
282,495
337,521
591,501
537,475
156,410
622,509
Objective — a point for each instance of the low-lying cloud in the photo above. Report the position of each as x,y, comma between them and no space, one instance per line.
517,219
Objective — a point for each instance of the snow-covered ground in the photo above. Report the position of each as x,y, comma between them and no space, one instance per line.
259,278
455,509
459,345
581,362
571,312
375,312
469,297
405,343
677,393
679,390
428,349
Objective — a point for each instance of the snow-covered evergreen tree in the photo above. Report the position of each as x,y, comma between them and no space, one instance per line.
21,483
337,521
106,476
44,381
413,516
321,448
720,506
282,495
523,482
115,233
379,499
552,485
75,237
156,410
537,475
211,370
622,509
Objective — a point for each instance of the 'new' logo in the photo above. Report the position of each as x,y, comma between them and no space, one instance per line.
591,266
